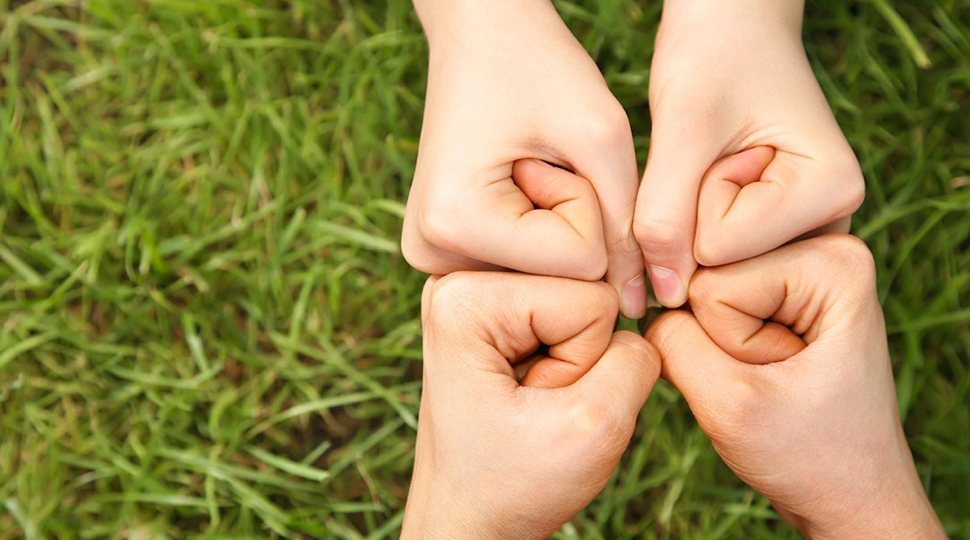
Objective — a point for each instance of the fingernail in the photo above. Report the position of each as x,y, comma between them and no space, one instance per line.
668,287
633,300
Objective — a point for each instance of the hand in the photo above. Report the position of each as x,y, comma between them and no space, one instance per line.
510,91
786,369
497,458
745,153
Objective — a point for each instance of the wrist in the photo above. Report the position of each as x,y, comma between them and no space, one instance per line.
443,514
429,514
899,510
911,523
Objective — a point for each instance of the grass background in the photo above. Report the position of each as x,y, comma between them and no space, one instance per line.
207,329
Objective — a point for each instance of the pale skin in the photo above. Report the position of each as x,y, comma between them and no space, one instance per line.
742,136
511,445
801,407
745,153
785,366
510,90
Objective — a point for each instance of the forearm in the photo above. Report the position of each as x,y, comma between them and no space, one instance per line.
731,13
443,18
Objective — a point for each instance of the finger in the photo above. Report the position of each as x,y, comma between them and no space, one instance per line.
425,257
738,321
495,320
544,220
744,191
531,217
767,308
690,361
622,379
612,170
841,226
666,209
566,202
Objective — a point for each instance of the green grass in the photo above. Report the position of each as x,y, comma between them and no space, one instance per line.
206,326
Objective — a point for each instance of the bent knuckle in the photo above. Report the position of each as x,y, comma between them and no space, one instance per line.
609,125
413,248
657,236
455,297
607,297
709,246
703,286
851,187
597,422
622,242
437,229
847,255
592,262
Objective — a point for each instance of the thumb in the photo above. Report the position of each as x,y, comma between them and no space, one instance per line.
666,211
694,364
562,235
612,170
620,382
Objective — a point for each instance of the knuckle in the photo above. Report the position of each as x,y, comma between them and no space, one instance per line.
850,252
610,300
592,263
454,297
709,246
851,187
846,255
597,422
703,286
643,349
609,125
436,229
622,242
664,332
657,236
413,249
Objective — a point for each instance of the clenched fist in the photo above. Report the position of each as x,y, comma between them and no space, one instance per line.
514,439
510,92
745,154
785,366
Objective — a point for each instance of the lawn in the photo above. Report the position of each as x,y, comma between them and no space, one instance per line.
206,326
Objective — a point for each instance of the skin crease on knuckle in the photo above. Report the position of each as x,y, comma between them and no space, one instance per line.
848,257
656,236
437,229
454,298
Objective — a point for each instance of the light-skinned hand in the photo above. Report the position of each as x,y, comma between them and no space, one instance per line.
784,363
510,90
512,440
745,153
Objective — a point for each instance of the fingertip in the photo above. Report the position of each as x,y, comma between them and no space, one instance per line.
633,297
669,287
